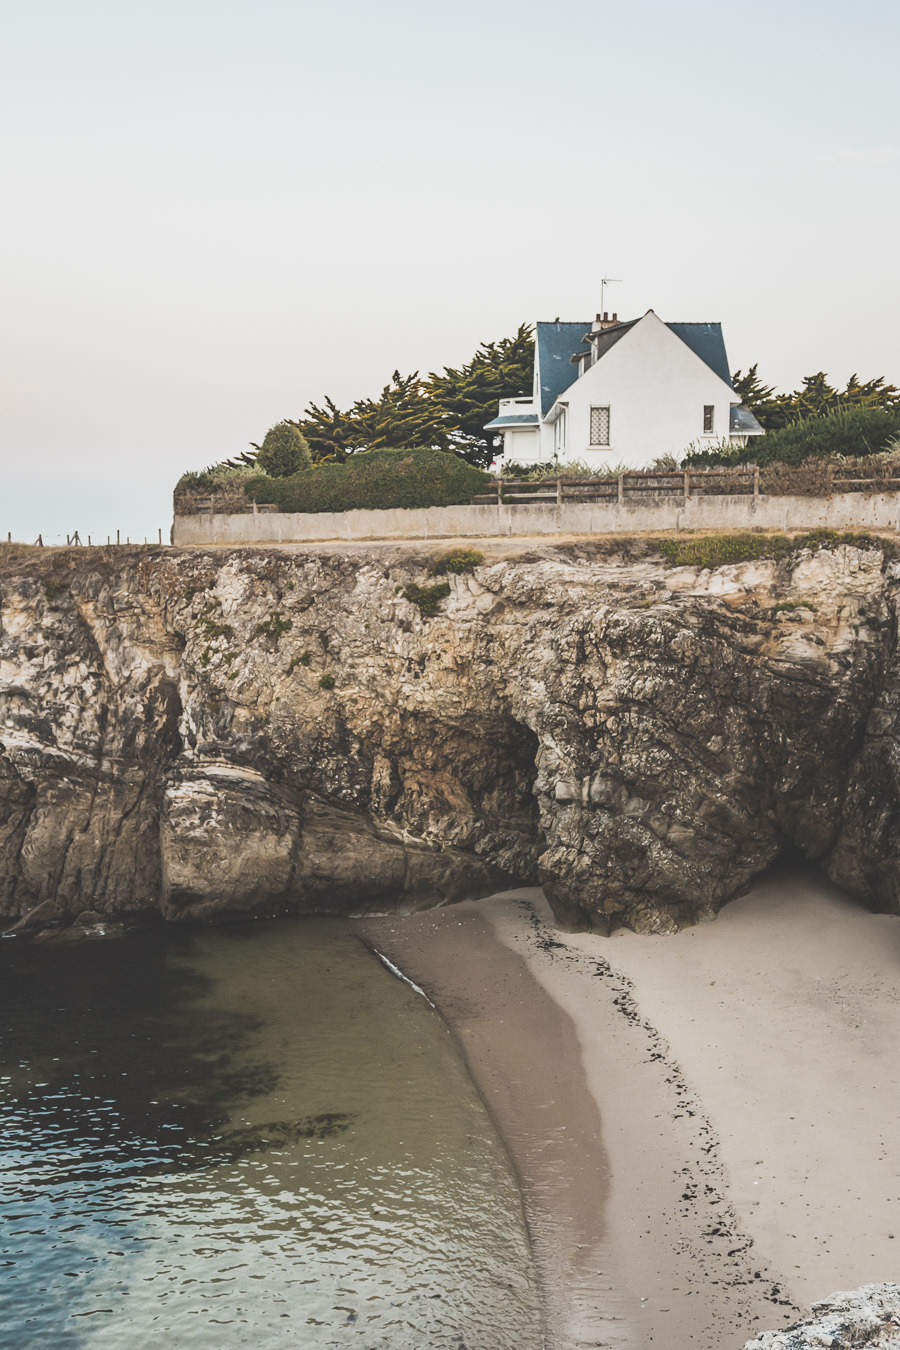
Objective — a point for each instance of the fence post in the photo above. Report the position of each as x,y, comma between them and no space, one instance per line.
687,484
829,479
117,536
756,480
499,491
559,492
160,534
621,494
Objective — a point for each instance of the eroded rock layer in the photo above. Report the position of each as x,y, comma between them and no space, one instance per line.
244,730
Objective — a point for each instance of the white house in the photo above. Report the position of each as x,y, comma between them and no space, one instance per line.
623,393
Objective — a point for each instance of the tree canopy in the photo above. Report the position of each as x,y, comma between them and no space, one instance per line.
445,411
468,397
814,398
402,416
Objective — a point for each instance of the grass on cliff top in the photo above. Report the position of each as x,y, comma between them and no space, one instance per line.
716,550
32,560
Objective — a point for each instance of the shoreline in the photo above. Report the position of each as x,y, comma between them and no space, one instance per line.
645,1093
531,1081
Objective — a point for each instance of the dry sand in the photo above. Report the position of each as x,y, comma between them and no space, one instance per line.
702,1124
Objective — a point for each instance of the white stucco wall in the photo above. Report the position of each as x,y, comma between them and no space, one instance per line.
655,388
520,444
843,511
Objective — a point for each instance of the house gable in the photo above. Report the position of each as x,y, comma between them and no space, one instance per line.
633,341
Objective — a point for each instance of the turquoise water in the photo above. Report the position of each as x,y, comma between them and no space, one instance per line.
252,1135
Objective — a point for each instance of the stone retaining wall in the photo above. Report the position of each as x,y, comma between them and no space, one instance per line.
842,511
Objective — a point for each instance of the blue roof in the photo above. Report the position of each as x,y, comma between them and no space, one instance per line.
705,340
557,343
514,420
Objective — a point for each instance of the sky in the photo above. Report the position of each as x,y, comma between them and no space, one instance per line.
216,212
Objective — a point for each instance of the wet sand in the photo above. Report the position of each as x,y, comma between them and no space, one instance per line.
702,1124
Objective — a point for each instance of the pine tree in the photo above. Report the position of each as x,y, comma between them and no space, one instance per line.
447,411
814,397
468,397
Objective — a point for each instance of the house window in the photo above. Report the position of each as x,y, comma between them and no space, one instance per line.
559,434
600,427
709,412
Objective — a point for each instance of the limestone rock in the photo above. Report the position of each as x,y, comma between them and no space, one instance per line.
867,1319
641,738
227,841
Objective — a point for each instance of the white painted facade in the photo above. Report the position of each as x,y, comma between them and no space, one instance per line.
659,397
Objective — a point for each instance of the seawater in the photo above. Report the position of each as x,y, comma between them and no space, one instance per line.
250,1135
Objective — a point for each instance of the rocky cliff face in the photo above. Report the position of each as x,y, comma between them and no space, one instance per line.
244,730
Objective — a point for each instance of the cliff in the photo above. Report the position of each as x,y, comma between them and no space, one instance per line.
202,731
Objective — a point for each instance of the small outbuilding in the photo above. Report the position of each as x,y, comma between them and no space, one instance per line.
611,393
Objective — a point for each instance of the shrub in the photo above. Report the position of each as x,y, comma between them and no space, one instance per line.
284,451
274,626
426,598
716,550
457,560
576,468
326,681
378,479
216,478
846,432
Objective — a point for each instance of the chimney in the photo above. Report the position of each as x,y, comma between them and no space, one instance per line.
604,321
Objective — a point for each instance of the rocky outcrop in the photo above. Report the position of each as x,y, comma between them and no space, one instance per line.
244,730
867,1319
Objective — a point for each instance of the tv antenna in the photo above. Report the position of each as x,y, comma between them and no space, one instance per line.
607,281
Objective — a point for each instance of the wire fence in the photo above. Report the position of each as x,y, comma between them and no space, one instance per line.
77,540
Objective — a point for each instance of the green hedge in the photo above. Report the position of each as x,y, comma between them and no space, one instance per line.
850,432
378,479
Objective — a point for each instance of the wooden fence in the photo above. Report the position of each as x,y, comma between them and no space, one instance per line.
637,485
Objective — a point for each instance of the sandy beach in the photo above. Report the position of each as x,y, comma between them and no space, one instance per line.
702,1124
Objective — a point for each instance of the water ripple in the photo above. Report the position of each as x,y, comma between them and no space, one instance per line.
246,1137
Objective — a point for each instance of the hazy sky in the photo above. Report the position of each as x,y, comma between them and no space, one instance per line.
215,212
